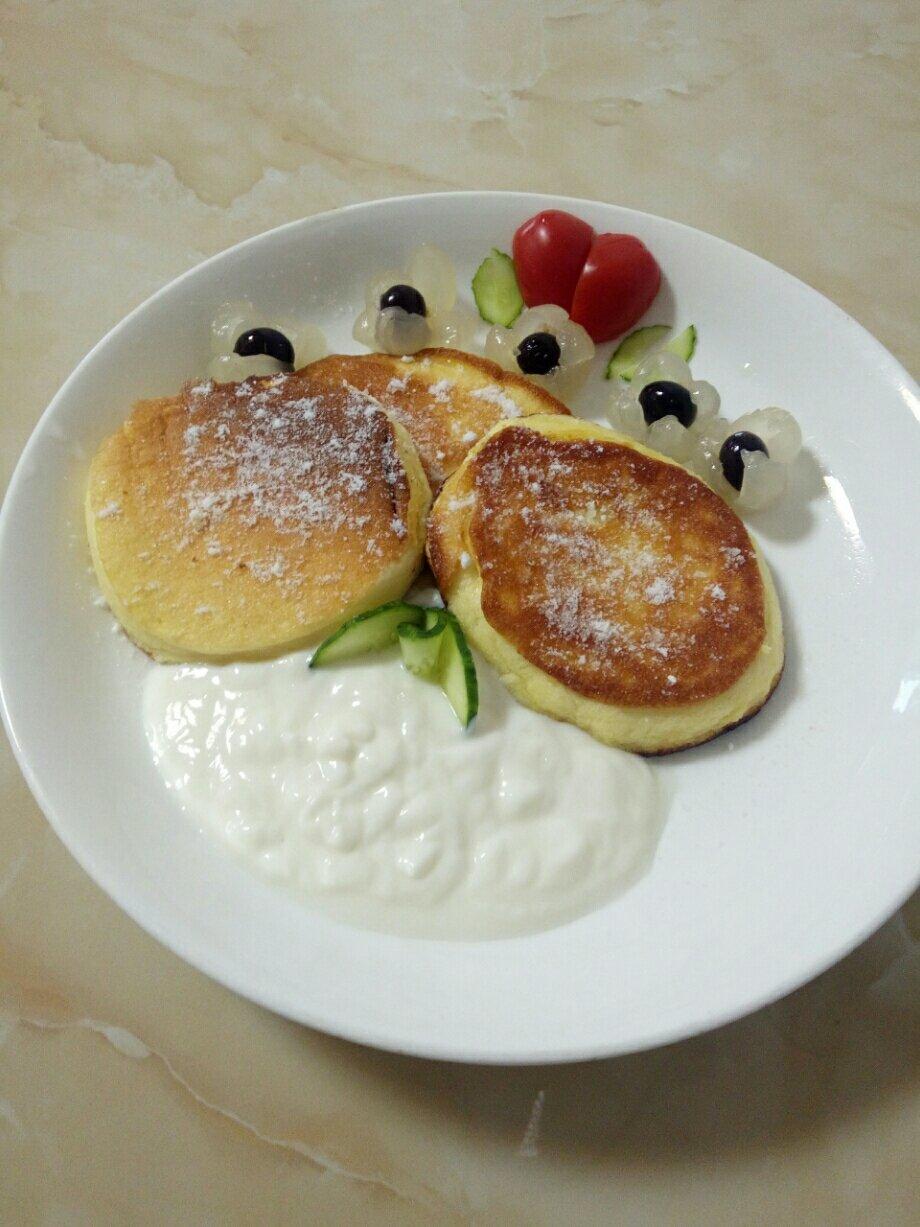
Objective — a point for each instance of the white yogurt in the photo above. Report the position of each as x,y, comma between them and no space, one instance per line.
356,787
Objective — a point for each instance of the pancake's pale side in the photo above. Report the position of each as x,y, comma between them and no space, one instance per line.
610,587
446,399
244,520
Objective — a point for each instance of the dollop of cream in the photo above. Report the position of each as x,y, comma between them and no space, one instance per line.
356,788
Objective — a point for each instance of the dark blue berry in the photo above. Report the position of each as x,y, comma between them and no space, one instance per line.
664,398
538,354
405,296
265,341
730,455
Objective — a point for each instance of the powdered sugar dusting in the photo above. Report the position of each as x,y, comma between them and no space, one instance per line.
606,582
496,396
458,503
659,591
306,467
441,390
264,571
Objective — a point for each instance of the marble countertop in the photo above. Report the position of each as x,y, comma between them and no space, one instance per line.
137,140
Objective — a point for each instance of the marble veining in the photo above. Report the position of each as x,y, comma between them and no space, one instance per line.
137,140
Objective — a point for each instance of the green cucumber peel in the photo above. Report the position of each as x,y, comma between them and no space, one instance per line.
641,342
496,291
371,631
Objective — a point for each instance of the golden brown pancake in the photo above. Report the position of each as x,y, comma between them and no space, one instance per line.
610,586
242,520
446,399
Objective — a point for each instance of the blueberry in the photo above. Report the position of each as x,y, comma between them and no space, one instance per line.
405,296
538,354
265,341
664,398
730,455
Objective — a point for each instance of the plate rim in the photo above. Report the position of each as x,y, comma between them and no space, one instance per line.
197,953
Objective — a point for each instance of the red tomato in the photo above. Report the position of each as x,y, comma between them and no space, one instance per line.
549,253
620,279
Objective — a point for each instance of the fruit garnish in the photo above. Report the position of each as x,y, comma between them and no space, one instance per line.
416,307
617,286
606,282
406,297
731,458
664,397
544,345
265,341
538,354
550,250
747,461
245,343
664,406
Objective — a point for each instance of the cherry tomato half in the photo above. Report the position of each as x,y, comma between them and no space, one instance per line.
549,251
617,285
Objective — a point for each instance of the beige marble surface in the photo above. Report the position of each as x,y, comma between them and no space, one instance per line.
136,139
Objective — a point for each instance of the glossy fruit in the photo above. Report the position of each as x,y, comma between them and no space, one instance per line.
576,349
538,354
267,341
617,286
780,432
664,398
405,296
730,455
549,252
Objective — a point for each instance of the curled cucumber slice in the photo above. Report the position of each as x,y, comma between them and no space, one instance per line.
457,672
367,632
438,652
495,290
421,645
632,349
431,641
684,343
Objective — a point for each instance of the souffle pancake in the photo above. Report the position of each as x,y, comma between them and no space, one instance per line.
445,398
241,520
609,586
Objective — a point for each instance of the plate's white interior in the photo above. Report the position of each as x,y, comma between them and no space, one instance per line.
787,841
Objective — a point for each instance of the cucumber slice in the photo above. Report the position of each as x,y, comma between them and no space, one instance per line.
632,349
458,672
432,643
495,290
421,645
438,652
367,632
684,343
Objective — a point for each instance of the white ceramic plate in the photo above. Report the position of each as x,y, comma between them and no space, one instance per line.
787,841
